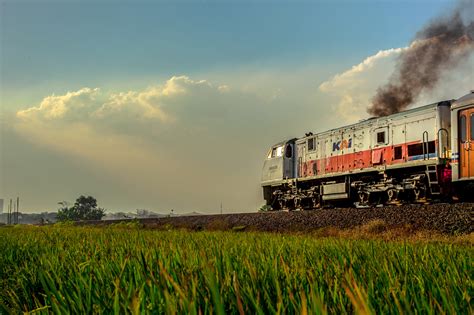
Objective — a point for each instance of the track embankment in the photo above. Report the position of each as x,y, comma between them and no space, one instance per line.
440,218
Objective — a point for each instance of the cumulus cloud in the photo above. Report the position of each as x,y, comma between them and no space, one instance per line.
70,105
179,144
357,74
145,105
88,103
351,91
113,129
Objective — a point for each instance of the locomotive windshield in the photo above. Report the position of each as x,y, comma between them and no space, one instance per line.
275,152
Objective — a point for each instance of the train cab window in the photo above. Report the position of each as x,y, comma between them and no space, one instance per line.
280,151
397,153
381,137
311,144
277,152
289,151
462,128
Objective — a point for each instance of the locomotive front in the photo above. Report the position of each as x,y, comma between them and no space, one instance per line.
278,169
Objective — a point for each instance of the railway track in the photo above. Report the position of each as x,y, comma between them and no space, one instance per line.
442,218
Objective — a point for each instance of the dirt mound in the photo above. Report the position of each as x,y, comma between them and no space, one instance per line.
441,218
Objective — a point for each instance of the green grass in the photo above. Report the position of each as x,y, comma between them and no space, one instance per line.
131,270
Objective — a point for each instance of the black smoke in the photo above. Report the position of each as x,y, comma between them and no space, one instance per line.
441,45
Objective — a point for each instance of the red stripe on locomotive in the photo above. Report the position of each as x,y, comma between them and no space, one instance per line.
355,161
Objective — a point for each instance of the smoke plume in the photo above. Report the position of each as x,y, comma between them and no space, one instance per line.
440,46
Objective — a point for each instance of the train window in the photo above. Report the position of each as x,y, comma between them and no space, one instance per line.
289,151
381,137
472,126
462,128
415,149
311,144
277,152
431,147
397,153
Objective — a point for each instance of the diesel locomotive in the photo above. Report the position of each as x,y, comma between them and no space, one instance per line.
420,155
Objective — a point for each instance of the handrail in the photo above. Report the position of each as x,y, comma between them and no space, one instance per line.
425,145
447,142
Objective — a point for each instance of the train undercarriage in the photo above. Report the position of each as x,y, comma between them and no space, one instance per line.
427,184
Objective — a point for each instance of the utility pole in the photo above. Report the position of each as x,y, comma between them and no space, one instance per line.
17,210
10,212
14,213
221,207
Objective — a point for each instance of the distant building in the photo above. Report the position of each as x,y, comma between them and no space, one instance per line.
1,206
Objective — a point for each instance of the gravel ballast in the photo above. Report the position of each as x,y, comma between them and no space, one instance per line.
442,218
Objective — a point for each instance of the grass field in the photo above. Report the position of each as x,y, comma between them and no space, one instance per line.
127,269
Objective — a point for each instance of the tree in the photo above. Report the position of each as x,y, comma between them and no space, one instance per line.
85,208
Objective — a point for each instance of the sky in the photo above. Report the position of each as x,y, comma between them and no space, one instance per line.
173,104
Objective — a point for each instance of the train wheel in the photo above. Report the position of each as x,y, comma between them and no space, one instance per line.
316,202
290,204
377,199
363,199
392,196
420,195
297,204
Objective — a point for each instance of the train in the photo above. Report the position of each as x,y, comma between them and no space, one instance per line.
420,155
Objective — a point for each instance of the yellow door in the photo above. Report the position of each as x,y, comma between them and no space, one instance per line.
466,143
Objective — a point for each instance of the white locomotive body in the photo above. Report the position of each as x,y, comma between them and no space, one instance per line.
401,157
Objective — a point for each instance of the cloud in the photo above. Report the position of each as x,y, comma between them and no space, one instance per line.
351,91
357,74
125,130
134,105
93,104
180,144
70,105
